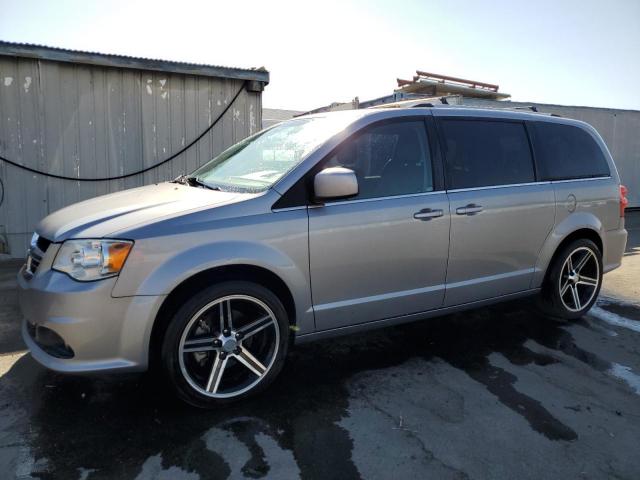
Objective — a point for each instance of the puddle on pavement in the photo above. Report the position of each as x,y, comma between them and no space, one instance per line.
624,373
111,426
630,312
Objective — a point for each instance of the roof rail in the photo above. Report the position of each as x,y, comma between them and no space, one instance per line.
530,107
445,104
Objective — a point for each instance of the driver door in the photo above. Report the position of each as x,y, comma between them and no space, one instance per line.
383,253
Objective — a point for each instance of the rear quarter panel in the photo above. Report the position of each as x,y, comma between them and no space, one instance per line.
590,203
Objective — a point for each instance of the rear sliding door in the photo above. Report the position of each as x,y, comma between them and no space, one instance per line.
500,214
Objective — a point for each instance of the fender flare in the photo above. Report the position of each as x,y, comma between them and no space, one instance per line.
571,224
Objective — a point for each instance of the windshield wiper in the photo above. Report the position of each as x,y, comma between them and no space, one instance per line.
180,179
194,182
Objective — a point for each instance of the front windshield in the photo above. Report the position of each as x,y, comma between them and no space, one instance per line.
256,163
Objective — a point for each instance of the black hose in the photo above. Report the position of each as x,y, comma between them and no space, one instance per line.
127,175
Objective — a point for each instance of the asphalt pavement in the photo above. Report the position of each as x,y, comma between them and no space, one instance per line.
498,392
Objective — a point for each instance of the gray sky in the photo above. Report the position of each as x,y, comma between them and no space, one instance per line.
569,52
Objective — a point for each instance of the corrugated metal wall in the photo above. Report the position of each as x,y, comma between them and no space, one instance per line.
91,121
620,129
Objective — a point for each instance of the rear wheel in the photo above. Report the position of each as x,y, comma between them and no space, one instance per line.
574,280
225,343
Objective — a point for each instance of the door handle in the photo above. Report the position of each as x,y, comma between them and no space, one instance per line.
427,214
470,209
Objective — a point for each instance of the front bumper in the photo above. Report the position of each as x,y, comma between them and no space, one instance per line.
104,333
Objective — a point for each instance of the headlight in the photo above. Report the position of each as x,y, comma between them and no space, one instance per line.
87,260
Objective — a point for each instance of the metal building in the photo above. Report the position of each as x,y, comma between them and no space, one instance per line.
88,115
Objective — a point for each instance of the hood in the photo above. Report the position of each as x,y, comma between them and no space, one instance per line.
100,216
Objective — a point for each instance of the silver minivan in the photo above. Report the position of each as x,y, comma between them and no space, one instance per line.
320,226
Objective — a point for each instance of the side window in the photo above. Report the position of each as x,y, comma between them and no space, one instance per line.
483,153
565,152
389,159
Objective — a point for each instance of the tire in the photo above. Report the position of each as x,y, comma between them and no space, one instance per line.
210,362
586,281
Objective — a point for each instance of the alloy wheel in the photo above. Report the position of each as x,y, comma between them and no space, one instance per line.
579,279
229,346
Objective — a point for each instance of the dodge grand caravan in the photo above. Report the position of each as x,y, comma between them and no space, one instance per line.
320,226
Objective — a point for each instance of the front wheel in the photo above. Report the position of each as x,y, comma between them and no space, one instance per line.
227,342
574,280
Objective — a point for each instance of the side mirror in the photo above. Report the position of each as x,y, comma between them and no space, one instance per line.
335,183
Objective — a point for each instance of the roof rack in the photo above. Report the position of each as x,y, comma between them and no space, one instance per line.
446,79
435,84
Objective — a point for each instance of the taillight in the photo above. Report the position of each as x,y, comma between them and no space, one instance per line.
624,201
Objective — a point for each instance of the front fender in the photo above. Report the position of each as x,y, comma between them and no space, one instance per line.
157,265
571,223
185,264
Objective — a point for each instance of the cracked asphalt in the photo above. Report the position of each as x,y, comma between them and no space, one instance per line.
498,392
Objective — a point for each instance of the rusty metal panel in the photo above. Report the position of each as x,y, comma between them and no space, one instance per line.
177,138
12,219
204,117
131,126
101,131
32,194
86,120
86,132
190,124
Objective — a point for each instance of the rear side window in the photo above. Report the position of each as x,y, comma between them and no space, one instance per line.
565,152
481,153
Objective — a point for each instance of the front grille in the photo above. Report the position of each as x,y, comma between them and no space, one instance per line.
33,262
38,248
42,244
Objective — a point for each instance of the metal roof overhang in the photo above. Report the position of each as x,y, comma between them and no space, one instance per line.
42,52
